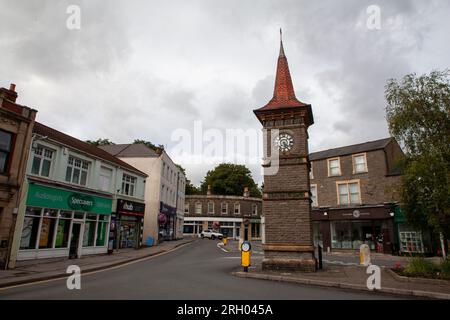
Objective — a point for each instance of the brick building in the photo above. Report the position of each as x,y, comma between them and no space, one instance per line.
16,125
231,214
354,194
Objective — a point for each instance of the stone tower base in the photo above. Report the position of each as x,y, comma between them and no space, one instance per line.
289,257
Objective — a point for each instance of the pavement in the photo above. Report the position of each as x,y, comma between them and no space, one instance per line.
341,270
199,270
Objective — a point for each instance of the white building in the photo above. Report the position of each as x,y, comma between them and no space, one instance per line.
164,192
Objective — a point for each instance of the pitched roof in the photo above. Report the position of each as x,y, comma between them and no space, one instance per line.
82,146
283,93
353,149
130,150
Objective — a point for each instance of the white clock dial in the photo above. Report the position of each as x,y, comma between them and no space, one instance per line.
284,142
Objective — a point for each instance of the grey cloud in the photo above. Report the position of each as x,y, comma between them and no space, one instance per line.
142,69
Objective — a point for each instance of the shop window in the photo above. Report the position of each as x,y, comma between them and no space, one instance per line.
5,149
211,207
188,229
314,195
77,171
224,208
62,233
317,234
78,215
256,230
128,185
105,178
254,209
410,240
352,234
334,167
359,163
237,208
89,233
30,228
101,234
348,193
42,161
198,208
48,226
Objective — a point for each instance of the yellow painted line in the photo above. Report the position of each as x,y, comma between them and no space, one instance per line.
97,271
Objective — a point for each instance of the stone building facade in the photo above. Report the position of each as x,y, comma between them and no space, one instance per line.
354,192
233,216
16,125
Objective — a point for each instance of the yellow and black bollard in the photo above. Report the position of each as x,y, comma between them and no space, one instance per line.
245,255
225,241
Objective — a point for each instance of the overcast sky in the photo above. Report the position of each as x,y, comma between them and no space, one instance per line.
143,69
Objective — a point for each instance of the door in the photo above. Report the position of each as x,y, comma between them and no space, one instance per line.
75,241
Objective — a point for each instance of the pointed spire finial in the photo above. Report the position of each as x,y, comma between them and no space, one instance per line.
281,44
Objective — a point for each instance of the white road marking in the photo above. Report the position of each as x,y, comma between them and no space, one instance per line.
220,247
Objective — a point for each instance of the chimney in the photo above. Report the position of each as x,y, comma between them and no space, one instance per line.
10,94
246,193
158,151
209,192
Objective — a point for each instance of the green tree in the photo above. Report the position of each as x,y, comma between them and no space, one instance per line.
418,115
148,144
230,179
191,189
100,142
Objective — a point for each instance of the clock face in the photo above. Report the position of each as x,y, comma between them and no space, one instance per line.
245,246
284,142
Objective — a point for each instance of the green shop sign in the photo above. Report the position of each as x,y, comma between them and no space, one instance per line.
41,196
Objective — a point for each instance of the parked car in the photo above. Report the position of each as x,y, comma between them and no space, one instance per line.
211,234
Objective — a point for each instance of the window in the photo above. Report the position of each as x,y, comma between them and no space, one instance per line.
89,231
198,208
77,171
334,167
348,193
211,207
186,207
237,208
314,195
42,161
359,163
5,149
30,228
224,208
128,185
254,209
311,173
48,225
105,179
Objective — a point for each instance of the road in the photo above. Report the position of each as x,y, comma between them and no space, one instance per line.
199,270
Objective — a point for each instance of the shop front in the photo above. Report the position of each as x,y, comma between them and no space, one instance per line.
63,223
167,222
349,228
127,225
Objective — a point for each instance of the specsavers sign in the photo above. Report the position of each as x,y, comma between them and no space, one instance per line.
48,197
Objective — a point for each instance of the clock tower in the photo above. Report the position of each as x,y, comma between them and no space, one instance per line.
286,194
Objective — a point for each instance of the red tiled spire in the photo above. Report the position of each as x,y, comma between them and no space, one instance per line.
283,94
